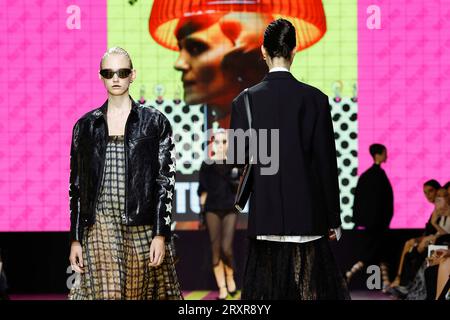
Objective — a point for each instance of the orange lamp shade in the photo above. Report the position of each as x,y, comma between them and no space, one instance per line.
307,16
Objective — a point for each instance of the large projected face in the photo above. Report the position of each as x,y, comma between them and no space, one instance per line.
219,57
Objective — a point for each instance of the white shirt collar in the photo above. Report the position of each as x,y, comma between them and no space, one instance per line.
274,69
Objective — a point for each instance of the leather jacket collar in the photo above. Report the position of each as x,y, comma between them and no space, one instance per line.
101,112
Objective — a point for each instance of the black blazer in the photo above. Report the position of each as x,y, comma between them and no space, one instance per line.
302,198
373,206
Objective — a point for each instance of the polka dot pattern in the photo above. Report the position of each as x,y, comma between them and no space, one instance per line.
344,115
187,125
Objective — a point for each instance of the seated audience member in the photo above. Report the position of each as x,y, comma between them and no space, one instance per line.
440,220
447,187
411,259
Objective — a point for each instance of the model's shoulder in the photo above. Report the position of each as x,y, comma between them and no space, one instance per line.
205,165
89,116
239,97
370,172
311,89
148,113
151,111
251,90
317,101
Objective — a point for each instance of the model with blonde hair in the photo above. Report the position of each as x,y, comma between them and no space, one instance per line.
122,177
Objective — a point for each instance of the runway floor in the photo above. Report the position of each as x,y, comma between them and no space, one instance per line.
202,295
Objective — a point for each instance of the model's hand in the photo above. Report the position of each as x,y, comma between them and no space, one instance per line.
446,253
157,251
76,257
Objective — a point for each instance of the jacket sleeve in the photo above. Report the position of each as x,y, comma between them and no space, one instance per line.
238,118
238,121
202,180
76,229
165,180
324,158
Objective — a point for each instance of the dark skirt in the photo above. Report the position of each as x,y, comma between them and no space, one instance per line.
292,271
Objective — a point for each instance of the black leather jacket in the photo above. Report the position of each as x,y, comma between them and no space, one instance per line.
149,169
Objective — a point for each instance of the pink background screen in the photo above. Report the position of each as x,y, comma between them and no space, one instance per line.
403,99
49,80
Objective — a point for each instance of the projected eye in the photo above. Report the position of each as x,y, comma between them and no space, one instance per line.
195,47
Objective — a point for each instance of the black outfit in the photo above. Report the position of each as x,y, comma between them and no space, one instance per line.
300,199
3,286
220,182
373,209
412,262
373,206
423,285
304,193
429,228
431,275
149,169
414,259
3,283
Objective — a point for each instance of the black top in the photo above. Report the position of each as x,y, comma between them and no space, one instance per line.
374,200
302,197
429,228
220,182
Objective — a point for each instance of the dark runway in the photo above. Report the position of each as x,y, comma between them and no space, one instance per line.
203,295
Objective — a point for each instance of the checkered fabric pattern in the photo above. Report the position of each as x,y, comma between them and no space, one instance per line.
116,256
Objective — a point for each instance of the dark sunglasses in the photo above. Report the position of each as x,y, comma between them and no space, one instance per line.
109,73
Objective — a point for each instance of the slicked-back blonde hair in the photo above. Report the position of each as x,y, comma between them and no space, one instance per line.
116,50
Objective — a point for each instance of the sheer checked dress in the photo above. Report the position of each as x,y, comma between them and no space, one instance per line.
116,256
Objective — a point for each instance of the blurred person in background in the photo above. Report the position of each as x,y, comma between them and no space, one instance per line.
373,209
217,191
